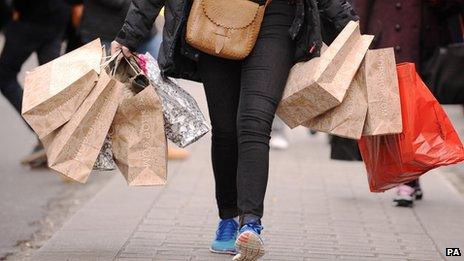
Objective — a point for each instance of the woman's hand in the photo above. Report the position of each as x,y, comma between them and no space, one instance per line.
76,15
115,47
15,16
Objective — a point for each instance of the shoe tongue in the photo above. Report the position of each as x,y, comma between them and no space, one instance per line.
255,226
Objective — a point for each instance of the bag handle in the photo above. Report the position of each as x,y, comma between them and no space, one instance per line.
116,58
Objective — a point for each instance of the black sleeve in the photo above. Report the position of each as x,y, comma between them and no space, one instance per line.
339,12
139,21
117,4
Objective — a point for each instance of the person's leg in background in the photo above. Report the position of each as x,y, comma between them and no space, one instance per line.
264,74
48,50
407,193
20,43
21,40
18,47
221,80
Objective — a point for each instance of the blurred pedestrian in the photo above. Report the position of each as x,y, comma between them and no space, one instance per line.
5,13
36,26
415,28
242,99
72,36
102,19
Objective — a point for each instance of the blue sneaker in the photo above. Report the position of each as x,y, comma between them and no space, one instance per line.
226,235
250,246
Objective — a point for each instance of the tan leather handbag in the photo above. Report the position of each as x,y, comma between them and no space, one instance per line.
225,28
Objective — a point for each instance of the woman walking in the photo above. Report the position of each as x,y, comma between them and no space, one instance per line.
242,98
416,29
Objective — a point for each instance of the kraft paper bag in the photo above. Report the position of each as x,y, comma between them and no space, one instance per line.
73,148
384,105
54,91
137,133
139,140
320,84
347,119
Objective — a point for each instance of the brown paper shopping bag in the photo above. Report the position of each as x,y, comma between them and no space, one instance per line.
54,91
137,133
347,119
139,140
73,148
320,84
384,105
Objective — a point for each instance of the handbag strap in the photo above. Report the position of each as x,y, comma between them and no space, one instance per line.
261,2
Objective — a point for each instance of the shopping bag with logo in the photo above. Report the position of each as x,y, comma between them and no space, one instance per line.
137,135
320,84
73,148
54,91
428,139
384,106
347,119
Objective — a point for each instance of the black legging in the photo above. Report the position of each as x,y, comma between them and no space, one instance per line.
21,40
242,99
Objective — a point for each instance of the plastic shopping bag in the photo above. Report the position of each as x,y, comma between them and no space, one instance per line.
428,139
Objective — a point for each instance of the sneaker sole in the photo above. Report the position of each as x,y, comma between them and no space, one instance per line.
249,247
403,203
39,155
223,252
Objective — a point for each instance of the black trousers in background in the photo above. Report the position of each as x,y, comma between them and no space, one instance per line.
242,99
21,40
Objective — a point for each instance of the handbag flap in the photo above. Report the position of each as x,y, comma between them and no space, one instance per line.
231,14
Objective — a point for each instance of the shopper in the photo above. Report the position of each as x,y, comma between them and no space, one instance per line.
415,28
242,99
102,19
36,26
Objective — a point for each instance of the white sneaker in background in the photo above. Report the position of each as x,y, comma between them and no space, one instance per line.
279,142
404,196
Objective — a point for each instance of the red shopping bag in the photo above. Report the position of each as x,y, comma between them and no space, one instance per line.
428,139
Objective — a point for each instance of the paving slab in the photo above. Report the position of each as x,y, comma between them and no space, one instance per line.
315,209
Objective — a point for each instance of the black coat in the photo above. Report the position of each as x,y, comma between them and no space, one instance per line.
53,13
5,13
178,59
415,28
103,18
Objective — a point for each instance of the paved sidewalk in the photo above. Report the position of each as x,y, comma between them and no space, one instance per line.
315,209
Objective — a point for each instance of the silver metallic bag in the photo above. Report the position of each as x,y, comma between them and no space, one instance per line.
105,161
184,121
